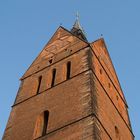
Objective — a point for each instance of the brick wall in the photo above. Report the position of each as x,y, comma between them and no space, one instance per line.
88,106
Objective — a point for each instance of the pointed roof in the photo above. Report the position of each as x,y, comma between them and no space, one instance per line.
78,30
77,25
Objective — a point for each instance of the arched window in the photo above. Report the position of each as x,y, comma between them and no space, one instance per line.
39,83
68,70
53,77
45,124
117,132
41,125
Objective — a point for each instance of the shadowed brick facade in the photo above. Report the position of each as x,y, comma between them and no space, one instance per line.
84,101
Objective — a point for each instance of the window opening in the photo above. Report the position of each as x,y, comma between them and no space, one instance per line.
68,70
117,97
100,71
53,77
39,83
109,85
41,125
117,132
50,61
45,124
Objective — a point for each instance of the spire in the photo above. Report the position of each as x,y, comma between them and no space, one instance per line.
77,29
77,22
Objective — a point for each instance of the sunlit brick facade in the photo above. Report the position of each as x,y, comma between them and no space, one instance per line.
70,92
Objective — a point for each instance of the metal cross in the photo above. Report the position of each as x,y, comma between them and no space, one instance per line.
77,16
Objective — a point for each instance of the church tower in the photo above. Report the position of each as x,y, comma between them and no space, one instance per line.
70,92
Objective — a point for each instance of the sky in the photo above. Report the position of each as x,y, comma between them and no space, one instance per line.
27,25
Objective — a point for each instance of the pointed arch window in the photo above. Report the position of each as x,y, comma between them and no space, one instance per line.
53,77
39,84
45,123
117,132
41,125
68,70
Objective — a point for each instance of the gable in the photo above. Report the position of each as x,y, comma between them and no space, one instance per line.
61,40
100,50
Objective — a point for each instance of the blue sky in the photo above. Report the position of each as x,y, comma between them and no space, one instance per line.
26,26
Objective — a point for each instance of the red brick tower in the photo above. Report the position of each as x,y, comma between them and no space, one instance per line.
70,92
